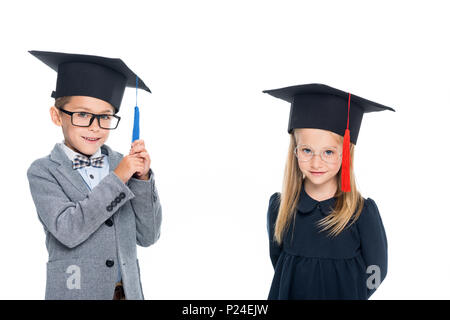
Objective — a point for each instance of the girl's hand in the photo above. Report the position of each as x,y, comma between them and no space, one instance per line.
138,150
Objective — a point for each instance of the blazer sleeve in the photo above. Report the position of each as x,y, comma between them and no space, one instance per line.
147,210
71,223
272,213
373,245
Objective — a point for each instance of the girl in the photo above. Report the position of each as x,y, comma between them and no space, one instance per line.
326,240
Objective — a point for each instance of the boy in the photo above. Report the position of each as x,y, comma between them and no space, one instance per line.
94,203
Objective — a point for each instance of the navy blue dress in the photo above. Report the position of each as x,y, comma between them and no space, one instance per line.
309,264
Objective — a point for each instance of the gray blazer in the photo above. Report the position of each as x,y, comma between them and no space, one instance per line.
90,232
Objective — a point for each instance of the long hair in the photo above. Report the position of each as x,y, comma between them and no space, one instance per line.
346,203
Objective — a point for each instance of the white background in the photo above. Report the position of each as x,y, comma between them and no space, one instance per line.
218,144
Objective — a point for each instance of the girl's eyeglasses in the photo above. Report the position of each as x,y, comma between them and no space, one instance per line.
305,153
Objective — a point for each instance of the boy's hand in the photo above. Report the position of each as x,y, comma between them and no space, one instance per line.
135,164
138,150
128,166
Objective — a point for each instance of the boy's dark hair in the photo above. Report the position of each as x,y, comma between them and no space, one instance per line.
61,101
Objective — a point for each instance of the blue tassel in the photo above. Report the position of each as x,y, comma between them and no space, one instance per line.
136,124
136,118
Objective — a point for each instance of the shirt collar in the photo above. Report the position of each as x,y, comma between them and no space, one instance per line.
71,154
306,204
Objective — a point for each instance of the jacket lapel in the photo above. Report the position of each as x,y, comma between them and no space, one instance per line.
65,166
113,157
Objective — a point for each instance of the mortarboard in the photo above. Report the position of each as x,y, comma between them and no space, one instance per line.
87,75
323,107
93,76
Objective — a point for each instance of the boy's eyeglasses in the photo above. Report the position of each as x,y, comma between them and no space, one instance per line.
85,119
305,153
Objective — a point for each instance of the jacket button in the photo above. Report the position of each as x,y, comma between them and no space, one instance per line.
109,208
109,263
109,222
117,199
122,195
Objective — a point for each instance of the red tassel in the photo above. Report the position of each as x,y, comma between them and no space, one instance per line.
345,171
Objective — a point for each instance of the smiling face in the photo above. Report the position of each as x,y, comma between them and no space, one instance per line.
316,170
76,138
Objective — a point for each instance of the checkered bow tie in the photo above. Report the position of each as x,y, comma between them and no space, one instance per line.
81,161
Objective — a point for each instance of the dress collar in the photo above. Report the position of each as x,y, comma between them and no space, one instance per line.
306,204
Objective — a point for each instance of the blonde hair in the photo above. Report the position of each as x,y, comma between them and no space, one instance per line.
346,203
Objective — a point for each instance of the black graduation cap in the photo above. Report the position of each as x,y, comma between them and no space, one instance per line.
323,107
87,75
